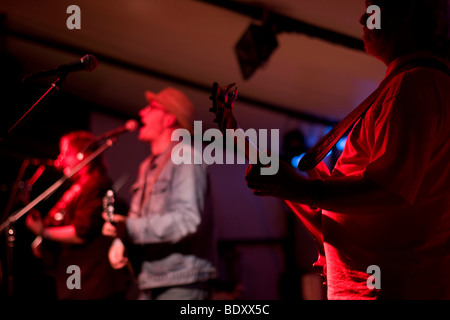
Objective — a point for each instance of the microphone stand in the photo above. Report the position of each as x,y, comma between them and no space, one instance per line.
10,237
54,87
15,188
9,223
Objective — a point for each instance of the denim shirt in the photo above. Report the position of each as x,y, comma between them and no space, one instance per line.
173,215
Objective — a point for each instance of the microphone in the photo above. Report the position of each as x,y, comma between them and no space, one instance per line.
86,63
129,126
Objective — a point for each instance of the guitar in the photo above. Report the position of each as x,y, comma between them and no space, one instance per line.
222,107
108,205
109,208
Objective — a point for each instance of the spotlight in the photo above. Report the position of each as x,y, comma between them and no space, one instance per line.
341,143
255,47
295,160
294,147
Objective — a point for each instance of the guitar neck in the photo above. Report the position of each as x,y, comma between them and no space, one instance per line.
108,204
309,220
223,100
248,147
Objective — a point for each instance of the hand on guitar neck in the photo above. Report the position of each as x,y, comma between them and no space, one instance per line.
287,184
115,227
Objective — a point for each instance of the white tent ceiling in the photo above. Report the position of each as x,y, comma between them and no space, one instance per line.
190,44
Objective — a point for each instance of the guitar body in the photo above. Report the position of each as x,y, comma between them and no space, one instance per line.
223,104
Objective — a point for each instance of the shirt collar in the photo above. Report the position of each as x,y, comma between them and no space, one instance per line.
401,61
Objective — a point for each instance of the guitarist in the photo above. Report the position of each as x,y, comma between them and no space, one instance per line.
70,234
385,209
168,222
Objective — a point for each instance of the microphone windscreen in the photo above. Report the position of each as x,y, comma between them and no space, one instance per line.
90,62
131,125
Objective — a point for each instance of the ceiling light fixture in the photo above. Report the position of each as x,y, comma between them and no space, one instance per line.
255,47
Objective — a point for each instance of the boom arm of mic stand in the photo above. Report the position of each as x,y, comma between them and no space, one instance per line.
54,87
15,216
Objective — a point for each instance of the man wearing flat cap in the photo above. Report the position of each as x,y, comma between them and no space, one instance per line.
168,220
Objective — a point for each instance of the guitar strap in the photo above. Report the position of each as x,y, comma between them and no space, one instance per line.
321,149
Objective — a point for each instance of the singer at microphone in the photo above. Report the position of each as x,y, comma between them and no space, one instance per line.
129,126
86,63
